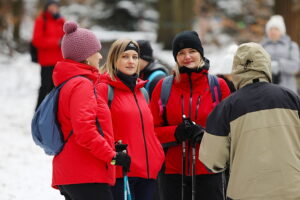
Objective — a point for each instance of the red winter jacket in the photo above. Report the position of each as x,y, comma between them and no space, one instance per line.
133,124
195,86
47,35
86,156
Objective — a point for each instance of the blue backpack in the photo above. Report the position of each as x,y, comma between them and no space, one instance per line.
45,129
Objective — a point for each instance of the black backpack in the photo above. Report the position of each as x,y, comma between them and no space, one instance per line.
33,52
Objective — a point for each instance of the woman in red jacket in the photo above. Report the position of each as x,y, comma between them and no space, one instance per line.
82,170
190,96
47,34
132,120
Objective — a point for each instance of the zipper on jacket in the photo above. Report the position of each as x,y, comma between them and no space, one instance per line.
143,131
197,107
190,111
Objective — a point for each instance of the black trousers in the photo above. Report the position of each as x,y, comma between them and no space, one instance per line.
46,83
86,191
208,187
140,188
158,193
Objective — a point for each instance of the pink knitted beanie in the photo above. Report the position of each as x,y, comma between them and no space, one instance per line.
78,43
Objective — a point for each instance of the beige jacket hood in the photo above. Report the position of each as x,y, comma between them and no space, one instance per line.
251,62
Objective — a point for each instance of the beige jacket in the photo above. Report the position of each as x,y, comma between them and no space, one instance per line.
255,132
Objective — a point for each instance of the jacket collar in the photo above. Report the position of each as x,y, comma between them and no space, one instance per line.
67,69
119,84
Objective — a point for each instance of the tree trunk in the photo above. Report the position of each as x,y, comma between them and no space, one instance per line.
17,12
290,10
175,16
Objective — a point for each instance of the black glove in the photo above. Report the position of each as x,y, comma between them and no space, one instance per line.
123,159
120,147
196,135
183,130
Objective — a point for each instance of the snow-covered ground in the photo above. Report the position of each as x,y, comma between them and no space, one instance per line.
25,171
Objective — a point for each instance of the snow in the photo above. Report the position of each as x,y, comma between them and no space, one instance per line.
25,171
108,35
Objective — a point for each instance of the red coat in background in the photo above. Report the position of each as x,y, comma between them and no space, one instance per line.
133,124
47,35
195,90
86,156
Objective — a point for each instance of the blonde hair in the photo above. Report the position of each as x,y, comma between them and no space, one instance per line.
176,68
114,53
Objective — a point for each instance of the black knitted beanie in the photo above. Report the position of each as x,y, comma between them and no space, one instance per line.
187,39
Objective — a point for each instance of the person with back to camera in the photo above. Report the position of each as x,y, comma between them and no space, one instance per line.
150,69
284,53
255,132
83,170
132,120
190,95
47,34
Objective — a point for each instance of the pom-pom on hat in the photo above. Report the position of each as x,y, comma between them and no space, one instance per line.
78,43
278,22
187,39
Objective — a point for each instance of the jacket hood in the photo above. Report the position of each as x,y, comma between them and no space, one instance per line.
67,69
251,63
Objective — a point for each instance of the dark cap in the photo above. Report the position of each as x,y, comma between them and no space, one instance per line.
146,51
50,2
187,39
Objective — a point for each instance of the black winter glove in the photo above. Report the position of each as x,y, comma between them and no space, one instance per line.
120,147
123,159
196,135
183,129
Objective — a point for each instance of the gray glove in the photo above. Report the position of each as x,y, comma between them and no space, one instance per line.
275,67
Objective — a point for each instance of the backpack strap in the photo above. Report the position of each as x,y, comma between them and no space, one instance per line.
214,87
145,93
99,128
110,94
166,90
164,96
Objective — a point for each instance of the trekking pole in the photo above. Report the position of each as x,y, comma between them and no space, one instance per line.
183,170
187,124
127,194
183,153
193,171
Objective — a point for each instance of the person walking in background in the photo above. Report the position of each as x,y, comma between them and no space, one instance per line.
132,120
47,34
255,132
284,53
83,170
190,95
150,69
